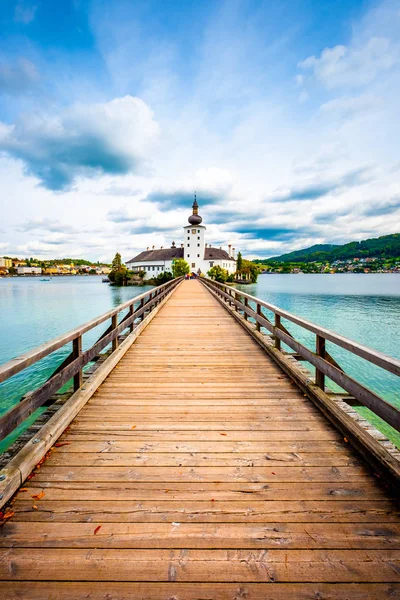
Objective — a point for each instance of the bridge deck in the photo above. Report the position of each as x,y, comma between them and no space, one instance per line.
198,470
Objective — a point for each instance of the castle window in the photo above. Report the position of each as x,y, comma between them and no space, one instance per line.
198,256
198,245
198,231
193,231
211,263
193,265
188,238
198,237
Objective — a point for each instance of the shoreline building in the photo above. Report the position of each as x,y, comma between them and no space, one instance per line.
200,256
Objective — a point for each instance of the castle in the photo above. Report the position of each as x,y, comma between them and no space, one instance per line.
200,256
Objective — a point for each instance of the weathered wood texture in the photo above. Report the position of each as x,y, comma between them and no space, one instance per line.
199,470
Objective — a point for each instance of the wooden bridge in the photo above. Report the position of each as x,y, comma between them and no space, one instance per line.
199,461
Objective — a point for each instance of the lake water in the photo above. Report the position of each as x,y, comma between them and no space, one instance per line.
365,308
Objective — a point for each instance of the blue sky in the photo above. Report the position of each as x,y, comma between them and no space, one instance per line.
282,115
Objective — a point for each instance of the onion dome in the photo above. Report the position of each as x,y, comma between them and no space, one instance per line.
195,218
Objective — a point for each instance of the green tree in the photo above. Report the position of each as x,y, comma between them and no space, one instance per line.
239,262
180,267
117,262
218,274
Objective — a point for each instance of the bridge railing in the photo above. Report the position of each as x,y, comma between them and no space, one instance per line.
134,311
325,365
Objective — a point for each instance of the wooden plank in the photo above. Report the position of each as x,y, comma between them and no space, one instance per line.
184,491
206,511
366,536
124,425
206,474
240,448
214,459
217,436
14,590
207,565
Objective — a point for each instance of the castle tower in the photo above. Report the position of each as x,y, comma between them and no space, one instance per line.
194,240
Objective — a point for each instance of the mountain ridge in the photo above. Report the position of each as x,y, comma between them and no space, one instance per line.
386,246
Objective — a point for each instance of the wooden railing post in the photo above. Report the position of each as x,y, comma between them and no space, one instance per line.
246,303
277,325
321,351
131,311
141,306
76,352
236,298
114,325
258,326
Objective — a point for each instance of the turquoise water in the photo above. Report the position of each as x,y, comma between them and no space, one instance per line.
365,308
33,312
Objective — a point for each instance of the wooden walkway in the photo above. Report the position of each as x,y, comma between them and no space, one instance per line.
199,471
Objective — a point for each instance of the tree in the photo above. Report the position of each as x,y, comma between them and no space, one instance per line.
239,262
180,267
218,274
117,262
163,278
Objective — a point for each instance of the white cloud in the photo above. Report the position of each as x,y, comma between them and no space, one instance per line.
347,106
84,140
355,66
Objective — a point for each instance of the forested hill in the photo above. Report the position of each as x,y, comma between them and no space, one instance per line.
387,246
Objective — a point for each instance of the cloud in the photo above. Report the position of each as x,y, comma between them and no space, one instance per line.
119,190
263,232
18,78
382,208
344,66
46,225
83,141
24,13
319,189
348,106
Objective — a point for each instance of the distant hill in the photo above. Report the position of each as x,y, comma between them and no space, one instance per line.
387,246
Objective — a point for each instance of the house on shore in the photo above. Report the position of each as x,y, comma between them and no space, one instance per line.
200,256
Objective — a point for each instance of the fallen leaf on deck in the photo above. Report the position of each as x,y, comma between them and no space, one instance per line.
34,506
23,489
59,444
133,427
346,440
8,514
223,434
38,496
97,529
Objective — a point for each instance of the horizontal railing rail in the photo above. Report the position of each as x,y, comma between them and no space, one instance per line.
325,365
72,366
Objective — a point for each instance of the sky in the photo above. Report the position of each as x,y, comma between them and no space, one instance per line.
282,116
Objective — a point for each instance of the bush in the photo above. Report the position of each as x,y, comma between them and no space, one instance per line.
218,274
162,278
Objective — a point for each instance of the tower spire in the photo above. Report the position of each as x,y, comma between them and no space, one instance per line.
195,218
